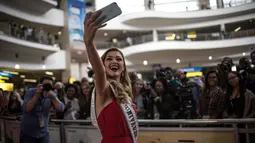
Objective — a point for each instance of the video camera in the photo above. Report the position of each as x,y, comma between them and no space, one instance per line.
166,73
223,69
225,65
185,102
245,65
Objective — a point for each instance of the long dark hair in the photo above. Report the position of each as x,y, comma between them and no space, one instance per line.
18,108
164,83
206,85
242,87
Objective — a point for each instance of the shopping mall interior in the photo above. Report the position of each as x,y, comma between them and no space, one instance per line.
172,48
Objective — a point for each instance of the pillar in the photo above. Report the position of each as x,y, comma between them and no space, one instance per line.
155,35
84,70
220,4
203,4
222,27
222,31
149,4
64,37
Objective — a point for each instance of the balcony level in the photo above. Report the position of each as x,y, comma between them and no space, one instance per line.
35,6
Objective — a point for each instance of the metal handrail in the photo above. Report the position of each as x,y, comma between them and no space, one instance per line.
197,125
213,36
161,37
178,121
225,5
8,35
162,121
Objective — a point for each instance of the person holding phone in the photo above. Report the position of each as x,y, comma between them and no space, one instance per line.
36,109
112,110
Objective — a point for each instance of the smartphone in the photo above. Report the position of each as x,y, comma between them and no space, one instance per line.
110,11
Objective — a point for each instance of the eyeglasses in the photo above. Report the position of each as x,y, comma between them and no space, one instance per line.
212,77
233,77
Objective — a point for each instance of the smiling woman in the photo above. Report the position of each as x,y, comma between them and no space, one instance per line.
111,98
213,99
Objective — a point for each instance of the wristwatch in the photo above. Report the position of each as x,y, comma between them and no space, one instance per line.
54,96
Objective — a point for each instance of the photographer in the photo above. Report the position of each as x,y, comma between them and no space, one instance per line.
223,69
188,94
36,108
248,73
161,99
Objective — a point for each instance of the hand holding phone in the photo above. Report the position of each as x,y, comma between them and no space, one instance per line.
97,20
110,11
91,25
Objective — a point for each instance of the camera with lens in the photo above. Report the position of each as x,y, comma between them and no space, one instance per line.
223,69
245,64
165,73
253,57
161,73
248,73
47,87
225,65
185,99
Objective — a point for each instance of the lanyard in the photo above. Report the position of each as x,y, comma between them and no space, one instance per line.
42,101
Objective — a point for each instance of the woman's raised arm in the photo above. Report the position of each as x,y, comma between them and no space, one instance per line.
91,25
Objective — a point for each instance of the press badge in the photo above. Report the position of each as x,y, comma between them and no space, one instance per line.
42,122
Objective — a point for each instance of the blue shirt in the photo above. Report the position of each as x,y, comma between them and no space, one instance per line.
30,125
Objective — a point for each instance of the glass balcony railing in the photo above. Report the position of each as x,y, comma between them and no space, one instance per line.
206,36
30,35
178,37
132,6
128,42
193,5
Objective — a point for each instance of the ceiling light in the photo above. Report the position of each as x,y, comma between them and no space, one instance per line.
145,63
59,33
210,57
17,66
22,76
114,40
170,37
244,54
178,61
105,34
79,52
12,72
49,73
237,29
30,80
43,66
139,75
233,68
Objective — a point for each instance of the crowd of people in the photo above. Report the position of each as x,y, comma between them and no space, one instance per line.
32,34
222,93
75,97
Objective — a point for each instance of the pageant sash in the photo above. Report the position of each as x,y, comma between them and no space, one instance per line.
131,120
128,112
93,115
